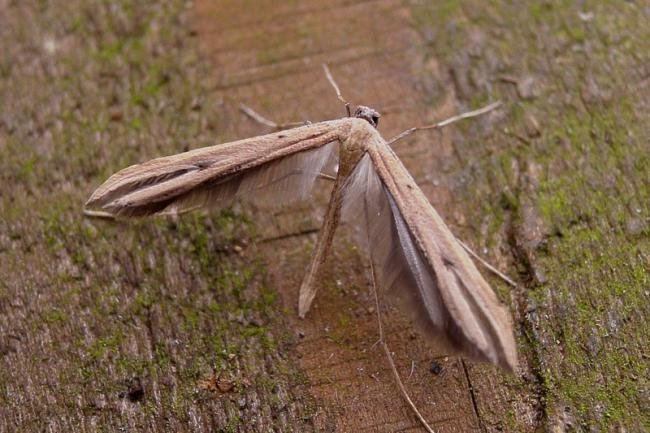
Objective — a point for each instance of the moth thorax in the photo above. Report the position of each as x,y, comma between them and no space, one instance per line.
368,114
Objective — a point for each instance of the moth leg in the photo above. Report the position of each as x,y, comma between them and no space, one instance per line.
491,268
98,214
448,121
326,177
266,122
308,287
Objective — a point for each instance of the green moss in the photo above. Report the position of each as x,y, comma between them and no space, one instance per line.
589,187
54,316
164,300
232,425
105,346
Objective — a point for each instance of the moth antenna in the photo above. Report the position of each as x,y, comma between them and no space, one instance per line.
264,121
98,214
448,121
330,78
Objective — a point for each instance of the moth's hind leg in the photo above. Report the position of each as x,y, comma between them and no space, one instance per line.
326,176
308,288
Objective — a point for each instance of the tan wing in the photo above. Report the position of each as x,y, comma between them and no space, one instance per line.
276,168
420,263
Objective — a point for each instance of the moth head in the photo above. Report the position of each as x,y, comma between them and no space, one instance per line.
368,114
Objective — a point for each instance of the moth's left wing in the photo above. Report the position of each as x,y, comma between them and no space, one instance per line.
276,168
420,264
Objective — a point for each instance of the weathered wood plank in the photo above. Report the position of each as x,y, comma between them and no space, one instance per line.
273,65
156,325
559,188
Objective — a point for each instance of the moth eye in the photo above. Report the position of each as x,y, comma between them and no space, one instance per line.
375,120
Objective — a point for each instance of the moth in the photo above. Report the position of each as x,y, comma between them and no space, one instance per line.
421,266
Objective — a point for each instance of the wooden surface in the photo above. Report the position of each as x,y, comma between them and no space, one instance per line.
191,324
269,57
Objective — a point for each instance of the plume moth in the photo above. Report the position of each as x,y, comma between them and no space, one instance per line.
421,266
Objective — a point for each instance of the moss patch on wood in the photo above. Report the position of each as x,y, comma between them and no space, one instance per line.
114,325
561,181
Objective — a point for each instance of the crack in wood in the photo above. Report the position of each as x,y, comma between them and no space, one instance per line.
473,397
526,326
300,233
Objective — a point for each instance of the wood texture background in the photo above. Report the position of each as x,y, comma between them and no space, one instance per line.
190,324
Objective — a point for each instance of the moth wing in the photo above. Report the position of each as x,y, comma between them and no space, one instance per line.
423,272
273,184
274,169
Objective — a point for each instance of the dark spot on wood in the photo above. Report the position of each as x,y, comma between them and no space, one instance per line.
135,391
6,349
281,135
435,368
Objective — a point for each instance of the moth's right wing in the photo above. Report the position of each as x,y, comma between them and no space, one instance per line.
277,168
420,265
